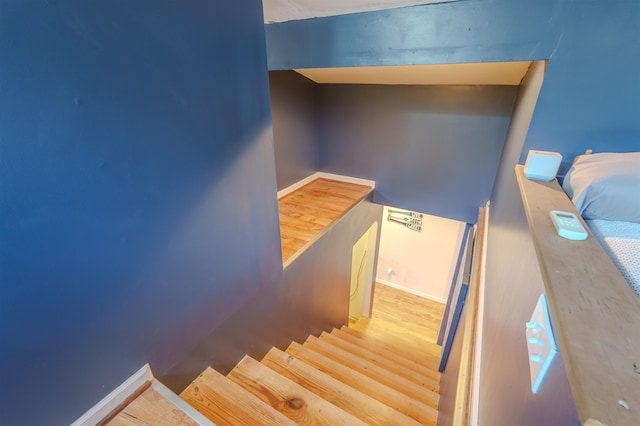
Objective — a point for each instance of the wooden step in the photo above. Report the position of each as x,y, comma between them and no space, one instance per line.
291,399
382,362
367,409
397,400
404,331
225,403
397,336
428,371
421,359
375,372
151,408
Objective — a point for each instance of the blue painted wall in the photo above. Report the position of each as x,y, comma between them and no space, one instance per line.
414,140
137,190
590,94
294,108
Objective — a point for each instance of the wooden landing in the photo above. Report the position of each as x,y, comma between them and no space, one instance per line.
308,211
402,320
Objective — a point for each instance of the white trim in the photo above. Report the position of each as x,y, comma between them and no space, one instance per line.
477,358
322,175
410,290
181,404
350,179
299,184
117,397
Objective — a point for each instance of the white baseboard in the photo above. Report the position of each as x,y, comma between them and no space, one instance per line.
410,290
117,397
350,179
318,175
299,184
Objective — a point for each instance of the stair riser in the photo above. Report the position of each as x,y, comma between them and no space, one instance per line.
339,394
389,396
382,362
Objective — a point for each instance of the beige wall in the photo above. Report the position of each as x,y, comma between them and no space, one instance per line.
422,262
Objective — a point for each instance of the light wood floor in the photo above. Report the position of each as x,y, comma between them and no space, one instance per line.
401,317
151,408
306,212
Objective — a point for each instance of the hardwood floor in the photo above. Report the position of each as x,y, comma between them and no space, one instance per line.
309,210
399,316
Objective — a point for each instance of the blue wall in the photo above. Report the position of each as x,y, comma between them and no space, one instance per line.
294,108
590,94
414,140
137,190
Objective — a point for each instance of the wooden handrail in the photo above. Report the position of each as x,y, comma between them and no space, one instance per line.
462,407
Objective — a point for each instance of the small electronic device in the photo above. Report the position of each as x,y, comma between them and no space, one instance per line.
568,226
542,165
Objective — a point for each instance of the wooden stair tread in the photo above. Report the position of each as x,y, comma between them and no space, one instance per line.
382,362
420,359
391,397
151,408
430,371
367,409
286,396
225,403
394,335
377,373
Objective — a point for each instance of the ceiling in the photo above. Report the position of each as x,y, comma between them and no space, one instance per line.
490,73
462,74
289,10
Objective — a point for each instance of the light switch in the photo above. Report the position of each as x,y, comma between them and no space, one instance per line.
541,343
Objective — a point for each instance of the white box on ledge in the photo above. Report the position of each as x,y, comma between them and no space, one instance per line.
542,165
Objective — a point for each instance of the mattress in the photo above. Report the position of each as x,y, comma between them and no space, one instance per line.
621,240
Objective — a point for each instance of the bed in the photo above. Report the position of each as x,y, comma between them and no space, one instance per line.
605,189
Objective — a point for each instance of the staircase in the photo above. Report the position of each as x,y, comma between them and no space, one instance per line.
374,371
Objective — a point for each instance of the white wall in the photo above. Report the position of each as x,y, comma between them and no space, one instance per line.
421,262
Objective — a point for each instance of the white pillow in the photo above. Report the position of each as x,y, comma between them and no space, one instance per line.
606,186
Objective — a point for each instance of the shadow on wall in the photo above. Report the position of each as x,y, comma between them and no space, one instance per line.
141,204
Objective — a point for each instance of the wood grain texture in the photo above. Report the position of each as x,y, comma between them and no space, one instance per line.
339,394
407,353
595,315
308,211
286,396
375,372
416,315
225,403
398,336
420,369
151,408
397,400
403,320
382,362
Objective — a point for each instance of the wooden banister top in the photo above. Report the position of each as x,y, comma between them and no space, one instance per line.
595,314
